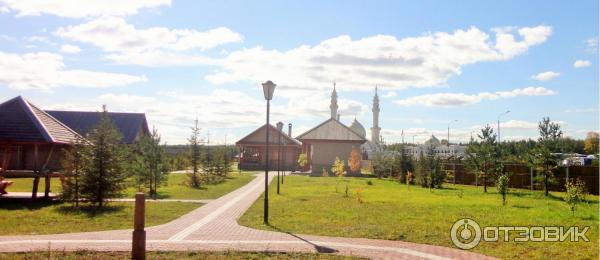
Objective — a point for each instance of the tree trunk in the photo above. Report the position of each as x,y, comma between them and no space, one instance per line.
484,179
546,183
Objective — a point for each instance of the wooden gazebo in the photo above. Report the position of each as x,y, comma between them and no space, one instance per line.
31,142
253,150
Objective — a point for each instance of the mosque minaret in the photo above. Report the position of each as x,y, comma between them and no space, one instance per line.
375,129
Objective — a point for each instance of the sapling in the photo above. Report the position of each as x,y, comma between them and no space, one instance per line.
575,194
503,187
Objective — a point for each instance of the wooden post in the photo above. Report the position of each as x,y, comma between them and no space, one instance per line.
36,182
36,171
138,243
47,186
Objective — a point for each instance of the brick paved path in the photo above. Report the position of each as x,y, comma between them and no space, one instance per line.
214,227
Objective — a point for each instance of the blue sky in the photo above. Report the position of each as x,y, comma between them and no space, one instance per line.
435,61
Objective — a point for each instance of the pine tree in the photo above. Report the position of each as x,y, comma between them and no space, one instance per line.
548,142
194,144
72,163
149,165
103,165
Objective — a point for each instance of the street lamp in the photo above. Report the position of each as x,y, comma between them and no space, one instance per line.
279,127
268,89
506,112
448,140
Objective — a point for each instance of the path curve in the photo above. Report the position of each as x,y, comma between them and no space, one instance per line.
214,227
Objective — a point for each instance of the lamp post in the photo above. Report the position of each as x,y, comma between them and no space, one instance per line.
268,89
279,127
506,112
448,140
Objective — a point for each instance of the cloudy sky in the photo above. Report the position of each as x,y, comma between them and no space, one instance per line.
433,61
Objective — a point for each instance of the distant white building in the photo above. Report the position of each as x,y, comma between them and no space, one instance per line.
440,149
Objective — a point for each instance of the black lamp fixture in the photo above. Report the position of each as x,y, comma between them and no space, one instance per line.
268,89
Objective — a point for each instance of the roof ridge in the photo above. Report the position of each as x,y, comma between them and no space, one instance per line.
35,119
326,121
73,132
275,128
78,111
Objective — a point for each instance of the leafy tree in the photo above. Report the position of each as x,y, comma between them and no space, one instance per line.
149,165
354,160
103,165
338,167
575,193
302,160
502,186
72,166
591,143
548,142
194,143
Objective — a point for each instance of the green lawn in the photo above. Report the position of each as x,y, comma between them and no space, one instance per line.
39,217
26,185
175,188
169,255
313,205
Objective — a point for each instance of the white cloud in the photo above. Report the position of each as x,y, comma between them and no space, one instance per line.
424,61
154,46
4,9
518,124
544,76
390,94
68,48
582,63
43,70
591,44
461,99
221,110
81,9
41,39
7,38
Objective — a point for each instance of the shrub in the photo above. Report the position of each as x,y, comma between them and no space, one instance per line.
503,187
338,167
302,160
354,161
575,193
369,182
359,195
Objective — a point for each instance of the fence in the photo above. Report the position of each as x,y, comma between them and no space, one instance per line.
521,177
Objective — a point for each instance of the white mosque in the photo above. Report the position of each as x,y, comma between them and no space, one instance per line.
370,147
375,145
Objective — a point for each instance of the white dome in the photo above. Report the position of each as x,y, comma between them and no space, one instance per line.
433,141
358,128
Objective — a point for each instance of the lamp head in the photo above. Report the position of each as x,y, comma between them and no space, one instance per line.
268,89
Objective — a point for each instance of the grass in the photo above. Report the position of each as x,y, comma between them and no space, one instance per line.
392,211
26,185
169,255
175,188
39,217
